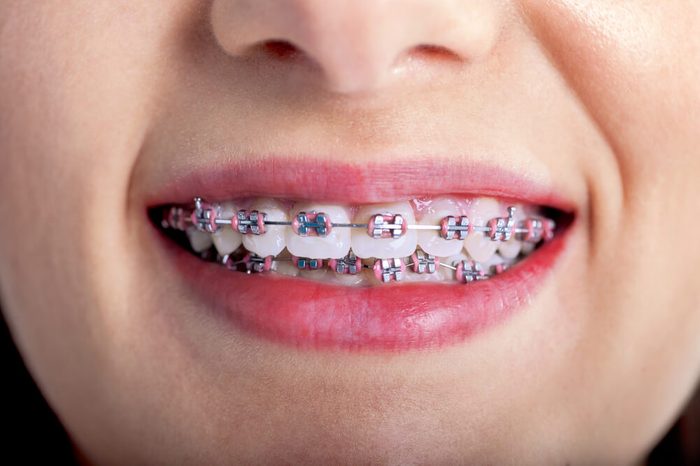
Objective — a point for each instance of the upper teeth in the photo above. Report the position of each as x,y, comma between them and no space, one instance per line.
383,231
431,241
479,246
227,240
272,242
334,243
384,242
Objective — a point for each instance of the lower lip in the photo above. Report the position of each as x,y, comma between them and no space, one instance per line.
394,317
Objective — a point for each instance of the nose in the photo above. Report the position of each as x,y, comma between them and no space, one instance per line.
360,45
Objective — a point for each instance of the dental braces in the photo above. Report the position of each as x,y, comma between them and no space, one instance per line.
385,270
207,217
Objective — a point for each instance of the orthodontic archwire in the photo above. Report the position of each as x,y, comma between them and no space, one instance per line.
207,217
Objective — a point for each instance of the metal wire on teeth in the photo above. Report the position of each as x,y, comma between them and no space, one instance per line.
208,218
385,270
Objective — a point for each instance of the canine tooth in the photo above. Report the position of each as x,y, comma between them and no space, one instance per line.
199,240
272,242
511,248
226,240
335,244
430,241
477,244
384,248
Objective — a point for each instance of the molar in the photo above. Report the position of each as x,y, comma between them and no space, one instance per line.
384,248
226,240
335,244
479,246
272,242
430,240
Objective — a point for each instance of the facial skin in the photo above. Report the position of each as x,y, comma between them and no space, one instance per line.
98,101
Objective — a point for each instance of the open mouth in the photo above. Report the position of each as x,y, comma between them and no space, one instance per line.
415,273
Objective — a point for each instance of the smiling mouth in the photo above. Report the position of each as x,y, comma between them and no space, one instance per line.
398,275
362,245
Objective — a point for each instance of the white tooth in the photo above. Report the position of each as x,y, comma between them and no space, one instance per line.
364,245
480,211
347,279
335,244
226,240
411,276
199,240
511,248
272,242
496,259
430,241
314,275
480,247
285,268
449,274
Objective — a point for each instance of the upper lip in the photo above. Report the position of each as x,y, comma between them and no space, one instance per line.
352,183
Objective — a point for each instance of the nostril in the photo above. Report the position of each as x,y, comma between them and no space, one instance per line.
280,49
433,52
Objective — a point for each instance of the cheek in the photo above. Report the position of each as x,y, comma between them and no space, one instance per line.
70,130
633,66
75,90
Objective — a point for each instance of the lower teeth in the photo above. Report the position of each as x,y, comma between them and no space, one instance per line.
419,267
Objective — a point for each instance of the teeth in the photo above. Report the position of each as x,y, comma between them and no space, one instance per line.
272,242
511,248
326,232
226,240
199,240
477,244
452,260
430,241
348,280
335,244
496,259
527,248
286,268
316,275
384,248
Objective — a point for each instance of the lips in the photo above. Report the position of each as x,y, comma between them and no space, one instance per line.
395,317
333,181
